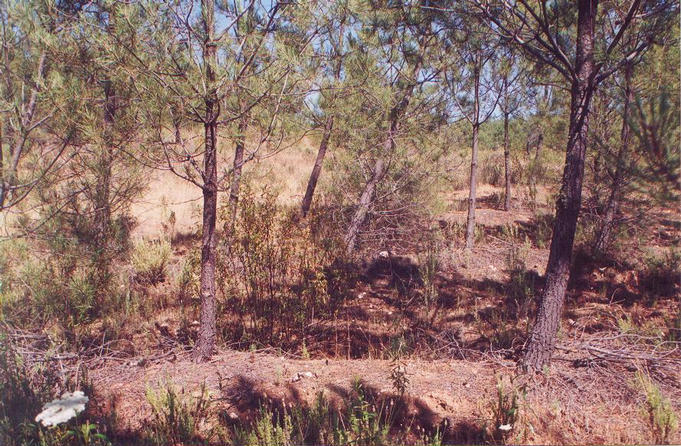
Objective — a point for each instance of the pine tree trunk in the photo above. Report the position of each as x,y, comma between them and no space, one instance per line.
207,329
317,169
380,166
542,339
472,191
237,168
507,166
615,198
470,220
328,127
363,206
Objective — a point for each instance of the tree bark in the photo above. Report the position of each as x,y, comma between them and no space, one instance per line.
507,166
317,169
363,206
328,127
542,339
102,198
470,220
612,208
237,168
207,330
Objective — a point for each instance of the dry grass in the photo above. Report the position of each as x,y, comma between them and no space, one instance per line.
286,172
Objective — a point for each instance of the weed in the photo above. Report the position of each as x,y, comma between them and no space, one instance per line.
175,419
505,413
429,267
269,429
658,410
360,423
149,259
398,369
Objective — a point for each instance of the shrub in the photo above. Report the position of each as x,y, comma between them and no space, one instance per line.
276,276
662,274
188,282
492,170
149,259
269,429
364,421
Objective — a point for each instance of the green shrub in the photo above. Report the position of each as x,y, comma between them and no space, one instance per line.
662,274
364,421
188,281
543,230
269,429
492,170
149,259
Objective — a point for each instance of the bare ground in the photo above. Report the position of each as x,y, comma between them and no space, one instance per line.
589,395
566,406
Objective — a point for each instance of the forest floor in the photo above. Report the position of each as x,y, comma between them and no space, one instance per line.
590,394
592,404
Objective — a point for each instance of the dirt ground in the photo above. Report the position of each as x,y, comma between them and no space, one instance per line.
567,406
589,395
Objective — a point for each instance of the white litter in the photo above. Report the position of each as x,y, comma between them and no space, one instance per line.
62,410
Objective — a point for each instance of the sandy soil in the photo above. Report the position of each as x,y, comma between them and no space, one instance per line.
566,406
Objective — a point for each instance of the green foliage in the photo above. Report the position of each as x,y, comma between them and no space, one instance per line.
269,429
656,127
662,274
149,259
658,411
